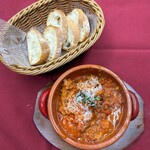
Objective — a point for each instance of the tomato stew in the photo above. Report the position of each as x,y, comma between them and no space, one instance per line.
90,108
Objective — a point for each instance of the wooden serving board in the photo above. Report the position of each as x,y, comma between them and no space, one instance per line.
136,127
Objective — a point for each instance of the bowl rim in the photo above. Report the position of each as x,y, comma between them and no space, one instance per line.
97,145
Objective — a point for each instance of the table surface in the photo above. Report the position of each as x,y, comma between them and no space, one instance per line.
124,47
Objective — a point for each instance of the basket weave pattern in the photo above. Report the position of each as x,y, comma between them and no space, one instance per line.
36,15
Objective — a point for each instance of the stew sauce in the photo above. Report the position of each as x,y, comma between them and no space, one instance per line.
90,108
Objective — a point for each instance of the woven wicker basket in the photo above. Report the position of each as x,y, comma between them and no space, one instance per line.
36,15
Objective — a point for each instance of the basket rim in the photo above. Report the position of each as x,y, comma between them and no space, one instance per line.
37,69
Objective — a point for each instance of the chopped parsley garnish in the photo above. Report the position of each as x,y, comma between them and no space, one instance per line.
87,99
97,98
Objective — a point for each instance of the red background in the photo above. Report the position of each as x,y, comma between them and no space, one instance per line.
124,47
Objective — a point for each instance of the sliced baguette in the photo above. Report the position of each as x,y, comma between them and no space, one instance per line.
80,18
38,49
73,35
85,29
57,18
53,36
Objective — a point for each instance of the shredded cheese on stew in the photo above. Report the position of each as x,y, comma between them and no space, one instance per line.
90,108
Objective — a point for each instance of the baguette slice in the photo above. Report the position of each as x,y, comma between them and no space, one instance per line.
80,18
85,29
57,18
38,49
53,36
73,35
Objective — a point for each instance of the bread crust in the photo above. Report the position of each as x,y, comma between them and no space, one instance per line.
63,21
82,22
85,27
57,51
45,50
75,33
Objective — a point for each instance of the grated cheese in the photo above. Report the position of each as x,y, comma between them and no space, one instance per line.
88,91
89,88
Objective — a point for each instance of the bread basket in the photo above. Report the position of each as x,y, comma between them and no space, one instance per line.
36,15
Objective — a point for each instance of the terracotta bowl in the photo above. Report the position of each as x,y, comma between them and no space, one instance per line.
48,103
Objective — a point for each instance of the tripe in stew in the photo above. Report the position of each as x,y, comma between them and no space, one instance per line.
90,108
